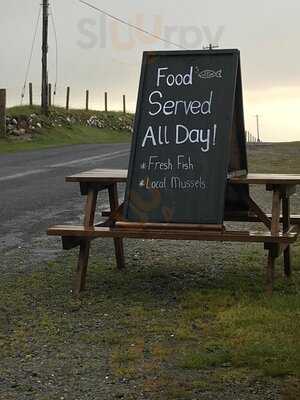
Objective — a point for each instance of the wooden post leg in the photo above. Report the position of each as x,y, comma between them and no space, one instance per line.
84,251
270,273
275,224
80,275
273,250
286,227
114,204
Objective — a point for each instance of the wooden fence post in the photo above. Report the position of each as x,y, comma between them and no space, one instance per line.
105,101
124,104
2,112
30,95
68,98
49,95
87,100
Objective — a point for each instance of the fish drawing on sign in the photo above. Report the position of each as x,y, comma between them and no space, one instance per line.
209,74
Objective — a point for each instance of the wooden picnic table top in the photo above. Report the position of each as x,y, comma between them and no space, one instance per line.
100,176
120,175
272,179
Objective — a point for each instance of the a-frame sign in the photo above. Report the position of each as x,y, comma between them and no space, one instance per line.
189,137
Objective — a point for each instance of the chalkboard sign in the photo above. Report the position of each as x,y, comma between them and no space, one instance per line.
188,136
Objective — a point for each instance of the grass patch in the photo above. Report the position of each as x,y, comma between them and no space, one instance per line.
62,136
210,357
279,157
132,326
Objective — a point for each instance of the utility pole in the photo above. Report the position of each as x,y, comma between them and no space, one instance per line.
257,128
210,47
2,112
45,97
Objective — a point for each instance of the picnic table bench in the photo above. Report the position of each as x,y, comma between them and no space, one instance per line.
281,228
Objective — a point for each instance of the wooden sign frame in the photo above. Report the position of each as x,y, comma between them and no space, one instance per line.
235,197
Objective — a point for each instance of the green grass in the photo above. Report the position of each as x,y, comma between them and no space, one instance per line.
280,157
50,136
62,136
155,322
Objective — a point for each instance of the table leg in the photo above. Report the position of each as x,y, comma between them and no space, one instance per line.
114,204
286,227
84,251
275,229
270,273
275,224
80,275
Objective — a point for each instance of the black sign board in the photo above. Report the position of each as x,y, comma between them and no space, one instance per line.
188,137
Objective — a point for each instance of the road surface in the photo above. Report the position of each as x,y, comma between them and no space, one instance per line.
34,194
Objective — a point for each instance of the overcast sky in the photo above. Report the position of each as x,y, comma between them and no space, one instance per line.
98,54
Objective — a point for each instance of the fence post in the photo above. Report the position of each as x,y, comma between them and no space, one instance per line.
87,100
105,101
49,95
2,112
124,104
30,95
68,98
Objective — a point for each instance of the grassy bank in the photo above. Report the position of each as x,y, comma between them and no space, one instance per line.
62,136
62,128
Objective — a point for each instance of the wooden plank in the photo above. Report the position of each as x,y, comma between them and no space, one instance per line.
80,275
277,179
139,225
260,214
90,208
286,228
246,217
100,176
114,205
240,217
116,215
234,236
84,251
275,224
120,175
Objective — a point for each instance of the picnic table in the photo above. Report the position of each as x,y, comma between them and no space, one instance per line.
281,228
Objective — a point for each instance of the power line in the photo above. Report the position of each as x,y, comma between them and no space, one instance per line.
31,54
131,25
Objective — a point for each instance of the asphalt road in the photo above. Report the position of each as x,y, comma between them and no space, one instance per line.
34,194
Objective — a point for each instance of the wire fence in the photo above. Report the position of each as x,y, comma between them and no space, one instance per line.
77,98
93,100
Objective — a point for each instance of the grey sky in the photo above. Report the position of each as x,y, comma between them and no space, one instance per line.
265,31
